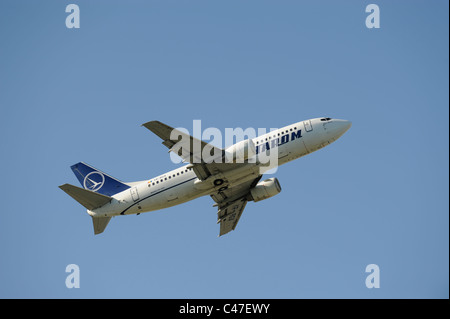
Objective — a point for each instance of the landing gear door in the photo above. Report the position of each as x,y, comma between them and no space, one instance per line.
308,126
134,194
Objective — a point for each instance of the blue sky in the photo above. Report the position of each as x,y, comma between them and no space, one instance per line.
379,195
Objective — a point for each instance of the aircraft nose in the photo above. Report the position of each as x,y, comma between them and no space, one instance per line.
343,126
338,128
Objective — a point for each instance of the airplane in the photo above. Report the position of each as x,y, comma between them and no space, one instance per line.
231,184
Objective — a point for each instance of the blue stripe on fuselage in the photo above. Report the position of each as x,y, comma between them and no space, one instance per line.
191,179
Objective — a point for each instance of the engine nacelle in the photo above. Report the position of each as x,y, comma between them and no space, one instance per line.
265,189
240,152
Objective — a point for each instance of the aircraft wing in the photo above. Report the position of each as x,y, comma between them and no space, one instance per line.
189,148
192,150
231,203
229,216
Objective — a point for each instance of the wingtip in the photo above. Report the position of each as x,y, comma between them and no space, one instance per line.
150,122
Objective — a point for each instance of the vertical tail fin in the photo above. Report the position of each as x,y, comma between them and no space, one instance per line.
97,181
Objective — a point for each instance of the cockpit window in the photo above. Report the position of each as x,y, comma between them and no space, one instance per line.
326,119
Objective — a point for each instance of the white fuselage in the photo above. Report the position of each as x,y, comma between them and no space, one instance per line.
181,185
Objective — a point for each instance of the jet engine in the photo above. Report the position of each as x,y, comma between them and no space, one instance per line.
240,152
265,189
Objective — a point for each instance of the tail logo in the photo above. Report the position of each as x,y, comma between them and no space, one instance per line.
94,181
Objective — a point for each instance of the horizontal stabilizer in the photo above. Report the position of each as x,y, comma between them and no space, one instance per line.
87,198
100,224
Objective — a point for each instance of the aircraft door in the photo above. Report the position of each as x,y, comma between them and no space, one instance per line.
308,126
134,194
